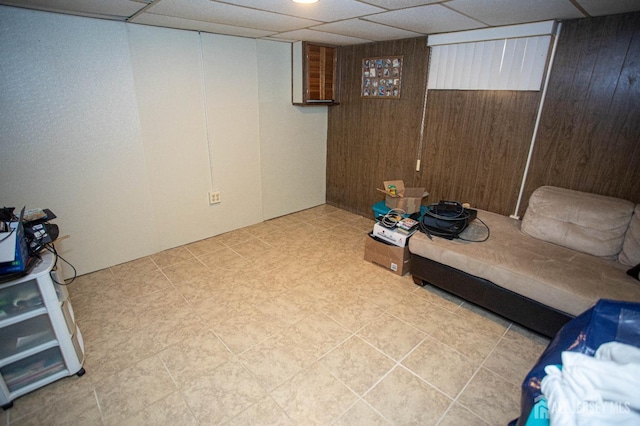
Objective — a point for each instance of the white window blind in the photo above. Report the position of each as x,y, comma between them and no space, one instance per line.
507,58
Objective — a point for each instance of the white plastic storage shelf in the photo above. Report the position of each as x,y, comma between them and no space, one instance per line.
39,339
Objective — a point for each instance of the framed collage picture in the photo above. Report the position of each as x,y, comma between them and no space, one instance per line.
382,77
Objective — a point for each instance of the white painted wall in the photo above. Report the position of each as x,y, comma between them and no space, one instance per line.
168,84
231,79
293,139
122,130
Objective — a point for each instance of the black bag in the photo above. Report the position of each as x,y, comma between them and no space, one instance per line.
447,219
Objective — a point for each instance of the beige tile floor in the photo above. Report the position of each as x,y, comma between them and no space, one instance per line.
281,323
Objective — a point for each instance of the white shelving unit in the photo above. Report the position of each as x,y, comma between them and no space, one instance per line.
39,339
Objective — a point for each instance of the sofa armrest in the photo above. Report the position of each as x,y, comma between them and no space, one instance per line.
630,254
589,223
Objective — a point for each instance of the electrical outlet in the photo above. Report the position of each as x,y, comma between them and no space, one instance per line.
214,197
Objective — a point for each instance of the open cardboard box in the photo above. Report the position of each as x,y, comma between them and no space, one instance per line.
407,199
391,257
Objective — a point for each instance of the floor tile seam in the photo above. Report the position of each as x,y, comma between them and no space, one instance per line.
423,289
221,341
40,407
403,358
268,395
238,361
198,255
502,377
356,334
408,354
392,369
233,359
451,348
421,379
175,383
452,400
252,346
100,410
279,333
288,380
406,323
266,234
360,327
326,370
475,373
501,334
176,390
145,357
110,269
173,264
499,374
326,353
170,282
257,305
433,385
242,256
360,398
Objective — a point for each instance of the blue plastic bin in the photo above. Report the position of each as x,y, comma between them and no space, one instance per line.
380,209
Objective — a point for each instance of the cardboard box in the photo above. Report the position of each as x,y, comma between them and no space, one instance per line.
407,199
394,258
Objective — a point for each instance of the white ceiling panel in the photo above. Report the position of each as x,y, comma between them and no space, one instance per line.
366,30
401,4
609,7
428,19
320,37
118,9
221,13
502,12
344,21
188,24
325,10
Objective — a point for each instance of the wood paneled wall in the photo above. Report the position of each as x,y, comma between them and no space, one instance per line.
476,142
589,136
372,140
476,146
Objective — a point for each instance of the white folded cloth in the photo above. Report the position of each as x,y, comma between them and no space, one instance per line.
599,390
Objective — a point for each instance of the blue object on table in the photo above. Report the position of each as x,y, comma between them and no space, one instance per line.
380,209
607,321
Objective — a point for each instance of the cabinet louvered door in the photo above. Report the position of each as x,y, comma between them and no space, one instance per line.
314,74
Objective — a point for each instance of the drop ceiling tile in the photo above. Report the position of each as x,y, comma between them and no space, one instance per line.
430,19
324,10
401,4
599,7
319,37
221,13
188,24
120,9
357,20
503,12
366,30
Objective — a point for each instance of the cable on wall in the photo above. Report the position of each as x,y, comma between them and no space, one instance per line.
424,112
537,124
206,115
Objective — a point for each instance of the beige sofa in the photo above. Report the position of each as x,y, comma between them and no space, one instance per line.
570,250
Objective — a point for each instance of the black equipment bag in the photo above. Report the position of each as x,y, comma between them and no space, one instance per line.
447,219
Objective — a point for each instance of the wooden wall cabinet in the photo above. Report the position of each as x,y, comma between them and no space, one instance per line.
314,74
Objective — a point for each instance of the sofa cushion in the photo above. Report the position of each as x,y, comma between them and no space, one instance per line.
588,223
630,254
553,275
